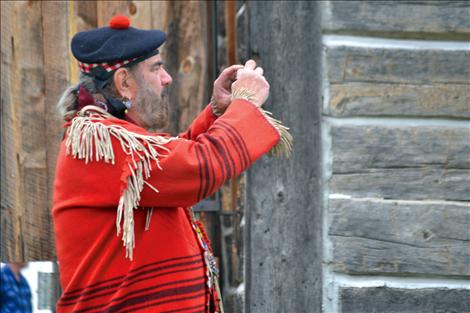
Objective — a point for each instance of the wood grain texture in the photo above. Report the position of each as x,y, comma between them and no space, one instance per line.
36,226
160,17
395,300
139,12
405,183
360,148
86,15
435,17
10,172
421,162
400,238
399,66
283,196
186,60
378,99
26,217
55,46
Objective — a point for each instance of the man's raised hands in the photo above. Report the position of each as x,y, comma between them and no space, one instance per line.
250,84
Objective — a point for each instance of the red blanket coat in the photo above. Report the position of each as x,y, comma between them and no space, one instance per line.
167,272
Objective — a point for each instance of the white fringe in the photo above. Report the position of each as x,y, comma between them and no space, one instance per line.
88,139
149,217
283,148
285,144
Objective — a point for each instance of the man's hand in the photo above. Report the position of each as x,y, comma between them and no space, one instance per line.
222,93
251,84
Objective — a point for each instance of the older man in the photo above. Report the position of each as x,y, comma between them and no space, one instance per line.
150,255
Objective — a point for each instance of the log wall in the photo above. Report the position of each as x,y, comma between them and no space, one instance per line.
396,156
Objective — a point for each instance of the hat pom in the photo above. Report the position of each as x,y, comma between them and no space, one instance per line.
119,22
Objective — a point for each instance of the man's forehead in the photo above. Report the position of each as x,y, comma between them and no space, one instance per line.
154,60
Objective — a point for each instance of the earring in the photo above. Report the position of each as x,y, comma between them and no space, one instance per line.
127,103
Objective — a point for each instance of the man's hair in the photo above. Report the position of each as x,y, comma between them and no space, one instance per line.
67,106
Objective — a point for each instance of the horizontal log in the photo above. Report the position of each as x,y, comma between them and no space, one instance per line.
402,66
369,99
447,17
426,162
397,300
362,148
405,183
399,238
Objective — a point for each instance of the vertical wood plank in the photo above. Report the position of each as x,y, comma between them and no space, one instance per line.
186,61
10,248
139,12
56,71
36,228
85,13
160,14
25,104
106,9
284,266
81,16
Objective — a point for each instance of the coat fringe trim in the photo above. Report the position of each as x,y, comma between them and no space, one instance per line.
89,139
283,148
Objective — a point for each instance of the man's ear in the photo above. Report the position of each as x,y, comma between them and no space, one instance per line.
124,83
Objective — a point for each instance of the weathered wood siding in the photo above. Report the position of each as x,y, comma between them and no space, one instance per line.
391,99
36,68
401,162
396,300
422,19
25,219
389,237
396,140
283,196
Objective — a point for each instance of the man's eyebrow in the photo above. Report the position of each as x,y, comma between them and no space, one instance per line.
158,63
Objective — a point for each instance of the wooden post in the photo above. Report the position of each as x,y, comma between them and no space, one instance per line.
284,216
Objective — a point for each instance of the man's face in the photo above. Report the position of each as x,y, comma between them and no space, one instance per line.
150,105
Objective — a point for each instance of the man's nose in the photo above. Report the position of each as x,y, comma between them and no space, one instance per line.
166,78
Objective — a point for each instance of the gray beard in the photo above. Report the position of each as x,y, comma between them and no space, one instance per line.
151,107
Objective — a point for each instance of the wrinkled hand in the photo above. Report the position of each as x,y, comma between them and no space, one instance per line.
251,84
222,93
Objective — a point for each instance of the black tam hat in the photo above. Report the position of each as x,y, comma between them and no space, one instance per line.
103,50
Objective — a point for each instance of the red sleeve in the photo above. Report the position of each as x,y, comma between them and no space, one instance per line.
194,169
200,125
